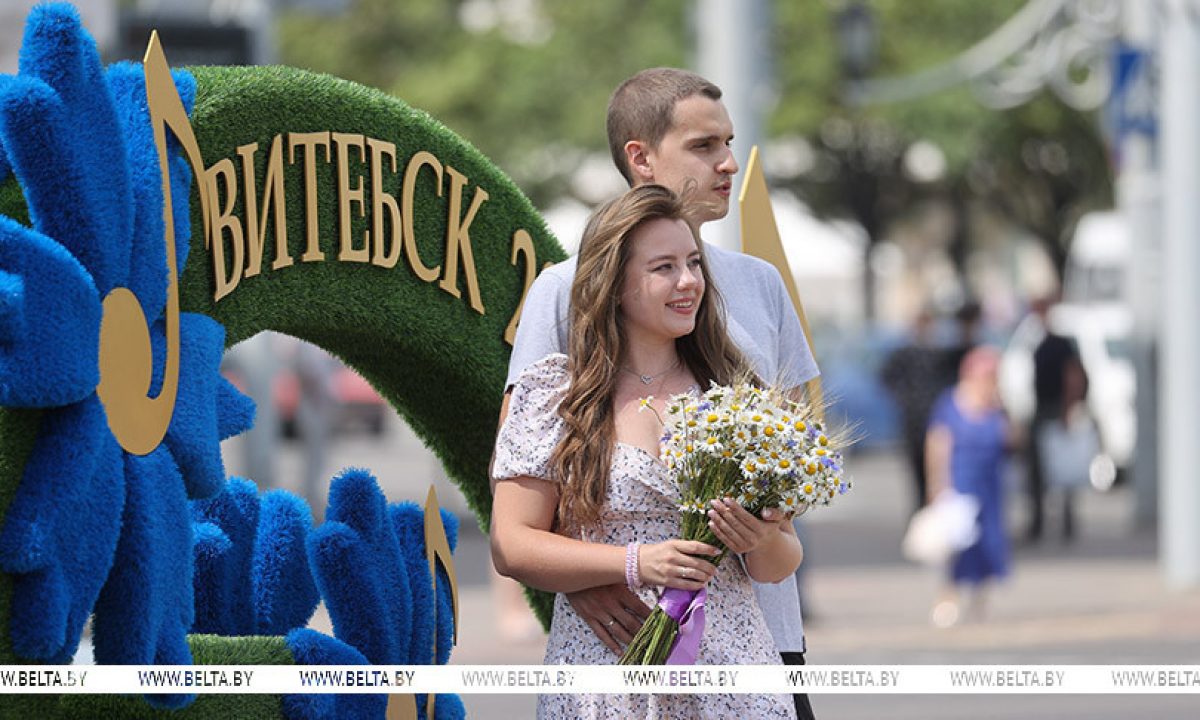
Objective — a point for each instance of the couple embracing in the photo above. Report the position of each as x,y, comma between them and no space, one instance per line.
582,505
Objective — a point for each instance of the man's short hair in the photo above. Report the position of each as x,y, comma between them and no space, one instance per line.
643,107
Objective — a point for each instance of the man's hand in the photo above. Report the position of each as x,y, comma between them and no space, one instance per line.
613,612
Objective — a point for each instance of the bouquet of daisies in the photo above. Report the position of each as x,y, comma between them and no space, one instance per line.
744,442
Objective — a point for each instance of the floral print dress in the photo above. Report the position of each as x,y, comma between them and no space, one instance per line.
641,506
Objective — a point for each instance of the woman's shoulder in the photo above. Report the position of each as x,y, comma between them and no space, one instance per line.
532,428
551,370
541,386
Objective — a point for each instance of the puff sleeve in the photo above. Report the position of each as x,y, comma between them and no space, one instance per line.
533,427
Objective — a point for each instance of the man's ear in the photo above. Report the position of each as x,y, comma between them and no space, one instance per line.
637,157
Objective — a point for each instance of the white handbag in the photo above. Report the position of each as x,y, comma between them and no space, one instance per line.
938,530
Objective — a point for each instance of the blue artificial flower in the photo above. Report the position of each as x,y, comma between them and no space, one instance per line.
90,525
369,563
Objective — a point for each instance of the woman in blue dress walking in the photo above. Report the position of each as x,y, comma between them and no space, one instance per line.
969,436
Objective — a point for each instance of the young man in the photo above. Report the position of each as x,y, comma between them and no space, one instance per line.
669,127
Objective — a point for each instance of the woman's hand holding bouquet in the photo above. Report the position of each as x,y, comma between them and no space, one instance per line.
745,460
680,564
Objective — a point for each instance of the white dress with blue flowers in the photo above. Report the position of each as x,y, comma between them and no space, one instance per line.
641,506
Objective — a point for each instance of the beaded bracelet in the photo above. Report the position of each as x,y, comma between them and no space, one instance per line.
632,575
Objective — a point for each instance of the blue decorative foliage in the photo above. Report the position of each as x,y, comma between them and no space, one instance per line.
310,647
224,604
49,352
369,563
235,411
360,572
211,549
12,308
72,489
147,274
145,607
445,598
193,436
359,569
67,146
408,522
81,148
285,595
252,574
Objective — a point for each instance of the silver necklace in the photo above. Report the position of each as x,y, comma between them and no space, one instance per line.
647,379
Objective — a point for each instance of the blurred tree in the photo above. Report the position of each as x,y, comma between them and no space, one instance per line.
913,35
1041,164
526,82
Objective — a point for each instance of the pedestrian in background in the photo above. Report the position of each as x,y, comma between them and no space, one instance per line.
1051,359
914,374
966,445
969,321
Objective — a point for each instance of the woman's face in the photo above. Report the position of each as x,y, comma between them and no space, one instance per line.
663,283
981,368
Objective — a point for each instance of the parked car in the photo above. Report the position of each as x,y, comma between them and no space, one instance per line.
850,365
352,404
355,404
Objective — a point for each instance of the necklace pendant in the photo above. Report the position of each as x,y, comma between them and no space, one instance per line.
646,379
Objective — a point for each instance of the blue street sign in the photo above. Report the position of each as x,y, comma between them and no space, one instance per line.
1133,103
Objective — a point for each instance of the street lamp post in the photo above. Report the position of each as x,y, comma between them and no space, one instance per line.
1179,412
857,42
854,25
732,51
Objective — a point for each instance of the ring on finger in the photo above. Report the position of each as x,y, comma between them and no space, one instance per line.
611,622
685,572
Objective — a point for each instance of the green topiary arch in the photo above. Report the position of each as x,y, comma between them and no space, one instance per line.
429,332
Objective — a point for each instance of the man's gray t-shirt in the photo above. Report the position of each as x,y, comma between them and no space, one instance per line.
763,324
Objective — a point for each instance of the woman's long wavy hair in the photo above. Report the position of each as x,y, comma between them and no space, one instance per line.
597,341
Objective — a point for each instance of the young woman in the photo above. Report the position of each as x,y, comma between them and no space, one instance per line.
581,497
966,445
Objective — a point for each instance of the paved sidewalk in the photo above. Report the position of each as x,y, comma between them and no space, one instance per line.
1100,599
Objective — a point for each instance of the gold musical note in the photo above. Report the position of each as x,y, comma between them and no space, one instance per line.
404,707
140,422
760,238
437,547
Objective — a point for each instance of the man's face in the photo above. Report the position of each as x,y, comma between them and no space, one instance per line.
697,148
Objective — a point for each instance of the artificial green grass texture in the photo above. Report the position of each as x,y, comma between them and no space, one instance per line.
206,650
18,430
436,360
